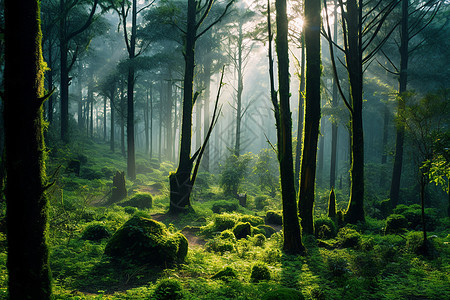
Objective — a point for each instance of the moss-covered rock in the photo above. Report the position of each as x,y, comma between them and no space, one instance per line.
227,235
268,231
259,240
396,224
242,230
283,294
348,237
95,232
224,206
139,200
142,240
168,289
219,245
253,220
224,221
226,274
260,272
324,228
274,217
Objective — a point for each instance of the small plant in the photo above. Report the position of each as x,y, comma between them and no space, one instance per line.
169,289
337,266
233,172
283,294
95,232
348,237
396,224
260,272
266,169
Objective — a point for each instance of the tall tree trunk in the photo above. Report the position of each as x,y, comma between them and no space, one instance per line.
161,105
240,89
384,145
291,228
355,210
151,120
105,99
169,131
91,101
180,182
131,159
122,118
111,104
146,122
50,82
312,116
64,72
301,113
26,198
206,117
398,158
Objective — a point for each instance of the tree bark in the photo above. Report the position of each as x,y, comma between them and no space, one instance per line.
400,135
240,89
312,116
301,91
291,228
28,267
111,104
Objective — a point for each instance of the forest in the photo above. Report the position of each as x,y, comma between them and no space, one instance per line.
224,149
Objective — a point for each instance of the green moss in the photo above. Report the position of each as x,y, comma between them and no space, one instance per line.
260,272
274,217
283,294
219,245
139,200
242,230
224,206
95,232
348,237
324,228
268,231
396,224
226,274
142,240
168,289
253,220
224,221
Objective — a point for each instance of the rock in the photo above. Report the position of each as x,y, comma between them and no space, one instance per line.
145,241
273,217
242,230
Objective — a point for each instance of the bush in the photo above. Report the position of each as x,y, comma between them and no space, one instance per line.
414,243
283,294
268,231
274,217
242,230
224,221
396,224
259,240
168,289
141,240
219,245
224,206
259,272
348,237
130,209
226,274
253,220
324,228
227,235
95,232
90,174
261,202
336,265
413,214
139,200
233,172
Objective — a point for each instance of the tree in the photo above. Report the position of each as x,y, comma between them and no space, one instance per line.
28,267
291,228
65,36
312,116
181,182
361,26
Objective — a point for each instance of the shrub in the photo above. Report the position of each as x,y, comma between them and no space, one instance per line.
142,240
233,172
253,220
261,202
413,214
324,228
224,206
268,231
259,272
168,289
336,265
259,240
283,294
224,221
227,235
274,217
130,210
95,232
226,274
242,230
90,174
396,224
139,200
219,245
414,243
348,237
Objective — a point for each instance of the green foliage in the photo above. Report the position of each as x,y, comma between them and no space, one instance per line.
139,200
141,240
268,231
337,266
274,217
226,274
283,294
253,220
348,237
414,242
224,221
396,224
241,230
168,289
266,170
261,202
260,272
324,228
224,206
233,172
219,245
95,232
413,214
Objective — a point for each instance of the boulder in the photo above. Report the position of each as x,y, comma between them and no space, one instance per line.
145,241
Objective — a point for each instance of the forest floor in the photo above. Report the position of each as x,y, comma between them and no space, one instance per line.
342,262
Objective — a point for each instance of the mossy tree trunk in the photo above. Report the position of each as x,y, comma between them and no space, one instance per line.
312,116
28,268
291,227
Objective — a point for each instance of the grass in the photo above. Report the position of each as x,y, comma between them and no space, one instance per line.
378,267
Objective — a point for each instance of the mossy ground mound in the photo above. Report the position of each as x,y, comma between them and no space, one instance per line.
283,294
145,241
139,200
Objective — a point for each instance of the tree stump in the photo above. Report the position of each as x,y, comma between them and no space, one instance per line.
119,189
242,199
